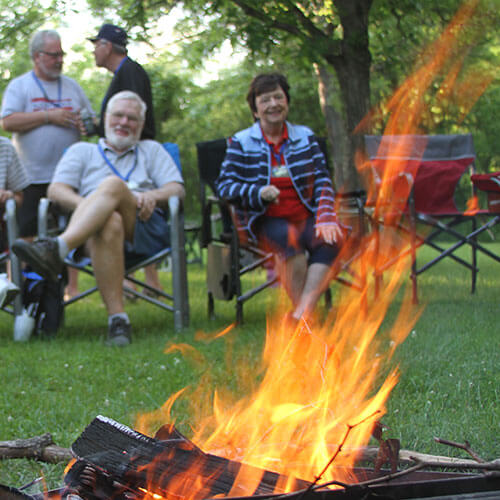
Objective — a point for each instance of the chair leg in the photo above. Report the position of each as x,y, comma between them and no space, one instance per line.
474,256
378,276
328,299
211,306
239,312
413,244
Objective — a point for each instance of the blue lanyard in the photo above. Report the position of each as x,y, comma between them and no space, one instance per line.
279,155
120,65
113,168
56,104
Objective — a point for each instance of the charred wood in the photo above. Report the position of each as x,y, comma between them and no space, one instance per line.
170,466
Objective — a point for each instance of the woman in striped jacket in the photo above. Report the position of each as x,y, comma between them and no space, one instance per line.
275,175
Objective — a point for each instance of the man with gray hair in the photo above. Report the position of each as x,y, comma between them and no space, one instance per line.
41,109
116,190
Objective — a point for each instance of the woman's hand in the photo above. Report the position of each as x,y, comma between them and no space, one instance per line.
330,233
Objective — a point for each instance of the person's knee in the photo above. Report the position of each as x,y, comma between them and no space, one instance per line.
112,233
112,186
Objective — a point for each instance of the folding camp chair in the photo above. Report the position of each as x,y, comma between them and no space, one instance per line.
8,234
228,259
429,168
178,300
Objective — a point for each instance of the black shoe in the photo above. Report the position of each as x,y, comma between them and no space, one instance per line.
119,333
42,255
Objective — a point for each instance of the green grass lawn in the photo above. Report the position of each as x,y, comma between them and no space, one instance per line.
449,385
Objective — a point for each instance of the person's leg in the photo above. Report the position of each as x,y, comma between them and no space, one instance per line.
93,212
317,273
111,205
27,212
72,287
152,278
292,274
315,284
106,252
281,237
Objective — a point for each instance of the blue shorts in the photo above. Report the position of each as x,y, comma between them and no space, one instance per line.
150,237
292,238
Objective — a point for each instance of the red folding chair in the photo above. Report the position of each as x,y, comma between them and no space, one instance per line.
427,171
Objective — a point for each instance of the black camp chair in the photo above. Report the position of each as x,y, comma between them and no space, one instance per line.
228,259
178,301
429,168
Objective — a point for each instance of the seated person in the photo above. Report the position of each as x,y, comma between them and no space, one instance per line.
13,179
275,175
115,189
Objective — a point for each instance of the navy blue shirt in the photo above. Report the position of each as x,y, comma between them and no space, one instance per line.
131,76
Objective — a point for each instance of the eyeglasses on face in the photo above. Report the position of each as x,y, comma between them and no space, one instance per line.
118,115
55,55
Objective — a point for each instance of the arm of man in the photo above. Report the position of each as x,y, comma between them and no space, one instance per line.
26,121
64,195
6,194
147,201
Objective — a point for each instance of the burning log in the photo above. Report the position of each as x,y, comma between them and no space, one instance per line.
114,459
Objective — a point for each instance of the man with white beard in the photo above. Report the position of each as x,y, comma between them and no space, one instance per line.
116,190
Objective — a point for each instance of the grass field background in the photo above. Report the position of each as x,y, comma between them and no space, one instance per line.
449,363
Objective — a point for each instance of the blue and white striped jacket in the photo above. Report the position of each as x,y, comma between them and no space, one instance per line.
246,170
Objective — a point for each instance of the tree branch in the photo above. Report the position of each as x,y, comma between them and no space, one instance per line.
466,447
38,448
261,16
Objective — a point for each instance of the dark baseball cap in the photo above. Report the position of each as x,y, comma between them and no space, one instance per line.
112,33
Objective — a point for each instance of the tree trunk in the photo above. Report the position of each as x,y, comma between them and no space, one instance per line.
352,67
335,126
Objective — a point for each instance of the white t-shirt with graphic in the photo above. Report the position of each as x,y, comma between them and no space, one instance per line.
41,148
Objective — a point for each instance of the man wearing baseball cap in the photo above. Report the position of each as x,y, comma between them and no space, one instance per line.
110,52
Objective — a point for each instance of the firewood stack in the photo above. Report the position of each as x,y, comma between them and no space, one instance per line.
114,461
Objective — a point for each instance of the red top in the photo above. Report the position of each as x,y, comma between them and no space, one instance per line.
289,205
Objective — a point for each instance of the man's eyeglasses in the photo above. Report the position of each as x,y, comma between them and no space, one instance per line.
55,55
120,116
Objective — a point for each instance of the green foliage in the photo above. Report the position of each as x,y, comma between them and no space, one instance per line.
398,45
93,81
18,19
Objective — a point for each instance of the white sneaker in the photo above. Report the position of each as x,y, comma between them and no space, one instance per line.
8,290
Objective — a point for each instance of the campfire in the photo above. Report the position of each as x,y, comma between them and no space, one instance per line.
113,461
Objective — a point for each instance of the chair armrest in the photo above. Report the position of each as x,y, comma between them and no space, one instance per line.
46,208
10,217
43,217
